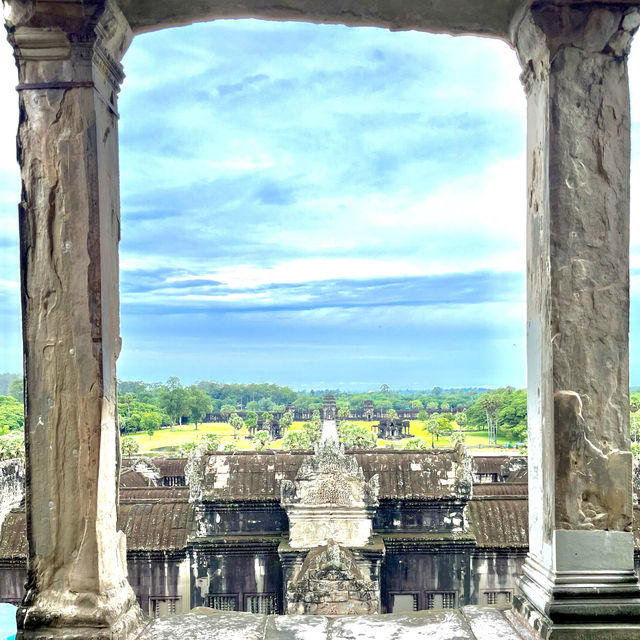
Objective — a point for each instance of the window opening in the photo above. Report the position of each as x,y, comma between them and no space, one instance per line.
260,603
440,600
497,597
404,602
223,602
161,607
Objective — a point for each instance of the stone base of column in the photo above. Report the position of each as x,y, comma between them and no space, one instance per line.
77,616
585,604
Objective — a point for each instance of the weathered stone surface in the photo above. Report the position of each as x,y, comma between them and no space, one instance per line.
575,73
578,242
465,624
330,582
485,17
11,486
592,490
69,74
329,499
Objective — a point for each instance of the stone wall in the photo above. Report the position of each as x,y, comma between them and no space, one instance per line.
11,486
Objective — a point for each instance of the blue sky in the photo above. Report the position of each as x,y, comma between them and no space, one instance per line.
312,205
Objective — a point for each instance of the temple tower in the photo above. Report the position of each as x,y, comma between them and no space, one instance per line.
331,561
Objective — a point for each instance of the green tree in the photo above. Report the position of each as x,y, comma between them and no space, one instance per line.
302,439
432,406
343,413
435,426
230,447
286,421
445,406
236,423
491,403
150,420
209,442
176,403
150,432
127,399
133,423
129,446
226,410
415,443
295,441
16,389
199,404
187,448
512,415
355,436
417,404
173,383
251,419
392,414
12,445
267,419
261,440
11,413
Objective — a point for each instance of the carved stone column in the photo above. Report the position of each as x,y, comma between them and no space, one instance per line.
68,57
579,572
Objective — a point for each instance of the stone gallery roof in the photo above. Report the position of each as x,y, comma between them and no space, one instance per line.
170,467
156,526
144,494
131,478
13,537
499,522
501,489
488,464
404,475
413,475
153,519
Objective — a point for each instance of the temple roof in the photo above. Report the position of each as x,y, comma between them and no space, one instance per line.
144,494
131,478
159,526
501,489
404,475
488,464
499,522
170,467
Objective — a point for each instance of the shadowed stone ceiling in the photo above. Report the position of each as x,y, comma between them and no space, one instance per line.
484,17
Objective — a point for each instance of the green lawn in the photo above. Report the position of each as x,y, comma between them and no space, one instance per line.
167,441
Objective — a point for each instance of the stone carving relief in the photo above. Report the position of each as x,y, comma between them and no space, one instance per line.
331,583
330,477
592,486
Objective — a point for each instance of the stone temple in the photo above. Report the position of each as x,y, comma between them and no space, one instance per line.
578,577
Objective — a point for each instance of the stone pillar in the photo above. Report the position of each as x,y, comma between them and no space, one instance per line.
68,57
579,572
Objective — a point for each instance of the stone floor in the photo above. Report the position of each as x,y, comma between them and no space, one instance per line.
468,623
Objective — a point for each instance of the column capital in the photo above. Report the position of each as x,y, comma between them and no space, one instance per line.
81,46
547,28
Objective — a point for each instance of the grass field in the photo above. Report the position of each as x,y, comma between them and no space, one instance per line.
168,441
